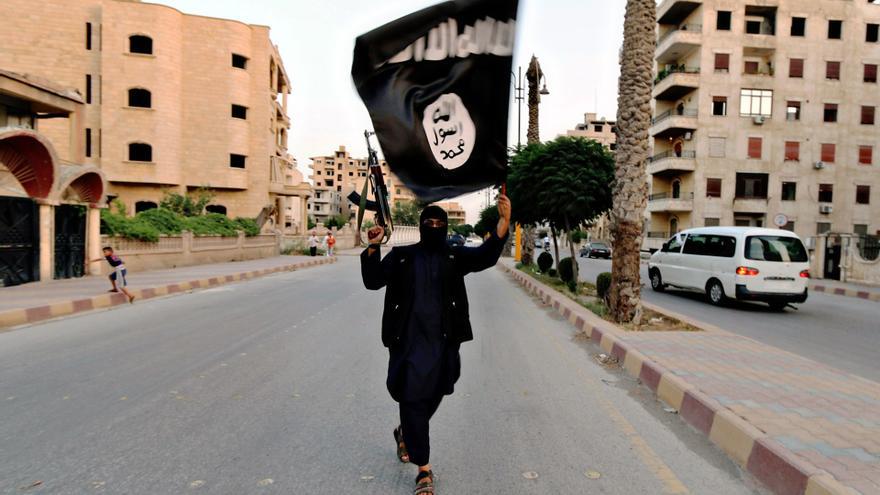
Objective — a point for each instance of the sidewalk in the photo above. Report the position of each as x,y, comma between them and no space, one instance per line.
37,301
798,426
846,289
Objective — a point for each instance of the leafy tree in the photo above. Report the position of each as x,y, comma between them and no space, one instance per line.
488,221
311,222
564,182
406,213
188,205
463,229
337,221
545,262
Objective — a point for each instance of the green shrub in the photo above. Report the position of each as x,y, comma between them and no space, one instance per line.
247,225
115,224
552,272
212,224
572,286
545,261
164,221
566,270
577,236
603,283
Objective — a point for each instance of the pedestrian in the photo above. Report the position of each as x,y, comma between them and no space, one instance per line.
313,244
424,322
330,241
117,276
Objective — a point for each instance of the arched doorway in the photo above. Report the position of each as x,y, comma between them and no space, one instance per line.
673,226
676,189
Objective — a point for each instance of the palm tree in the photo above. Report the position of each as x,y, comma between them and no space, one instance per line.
631,186
533,75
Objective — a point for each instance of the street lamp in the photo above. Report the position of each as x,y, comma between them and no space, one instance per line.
519,96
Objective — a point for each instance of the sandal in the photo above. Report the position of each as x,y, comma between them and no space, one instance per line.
424,483
402,454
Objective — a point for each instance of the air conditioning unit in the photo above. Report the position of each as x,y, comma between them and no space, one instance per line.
825,209
819,165
758,120
688,136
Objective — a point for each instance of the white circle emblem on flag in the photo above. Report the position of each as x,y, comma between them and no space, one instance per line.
450,131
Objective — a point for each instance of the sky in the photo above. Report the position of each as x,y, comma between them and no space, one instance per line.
576,41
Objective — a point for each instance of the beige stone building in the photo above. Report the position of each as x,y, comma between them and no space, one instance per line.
172,101
457,215
766,115
335,176
597,129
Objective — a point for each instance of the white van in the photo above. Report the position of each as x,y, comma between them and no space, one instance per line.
745,263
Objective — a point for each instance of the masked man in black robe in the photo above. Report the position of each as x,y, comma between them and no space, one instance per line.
425,320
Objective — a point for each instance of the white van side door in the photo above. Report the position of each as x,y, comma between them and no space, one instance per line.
670,265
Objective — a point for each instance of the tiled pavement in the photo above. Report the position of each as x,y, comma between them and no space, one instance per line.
798,426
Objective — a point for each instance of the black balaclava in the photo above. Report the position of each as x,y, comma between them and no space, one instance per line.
433,237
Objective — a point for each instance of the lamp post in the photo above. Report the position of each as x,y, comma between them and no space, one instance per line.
519,96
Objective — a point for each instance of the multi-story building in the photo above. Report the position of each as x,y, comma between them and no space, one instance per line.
766,116
173,102
456,214
601,130
334,177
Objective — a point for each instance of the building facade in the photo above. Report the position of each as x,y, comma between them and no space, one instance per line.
598,129
173,102
454,211
765,115
336,176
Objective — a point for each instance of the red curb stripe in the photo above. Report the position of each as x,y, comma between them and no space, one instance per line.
148,293
38,313
83,305
839,292
230,278
864,295
596,335
697,413
566,313
579,323
776,472
650,375
819,288
213,281
619,352
173,289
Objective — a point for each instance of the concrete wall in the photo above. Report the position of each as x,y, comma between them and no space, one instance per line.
188,250
853,268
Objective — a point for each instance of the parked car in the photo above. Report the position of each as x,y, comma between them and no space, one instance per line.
455,240
743,263
596,250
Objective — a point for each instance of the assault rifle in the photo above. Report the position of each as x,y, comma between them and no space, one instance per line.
379,205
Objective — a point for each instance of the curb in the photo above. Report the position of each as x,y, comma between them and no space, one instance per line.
778,468
842,291
24,316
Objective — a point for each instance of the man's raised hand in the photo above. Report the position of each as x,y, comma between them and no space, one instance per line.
375,234
504,215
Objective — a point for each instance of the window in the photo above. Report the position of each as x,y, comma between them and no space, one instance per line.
751,186
219,209
673,245
711,222
796,67
239,112
239,61
719,106
798,26
823,228
860,229
793,111
832,71
88,142
598,128
750,67
755,147
140,152
237,161
830,114
339,188
715,245
695,244
788,226
775,248
826,193
792,151
351,174
835,30
755,102
713,188
866,155
88,36
867,115
829,150
870,73
140,44
88,88
789,191
863,195
872,34
144,206
329,182
140,98
722,21
722,62
753,26
717,146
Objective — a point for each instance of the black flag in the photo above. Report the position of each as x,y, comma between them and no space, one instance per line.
436,84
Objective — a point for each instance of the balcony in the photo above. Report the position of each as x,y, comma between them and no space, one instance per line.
678,42
750,204
674,122
675,11
664,201
670,162
674,83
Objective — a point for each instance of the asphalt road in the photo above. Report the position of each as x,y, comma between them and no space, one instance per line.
277,386
839,331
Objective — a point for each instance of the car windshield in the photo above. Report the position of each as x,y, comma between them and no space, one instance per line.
775,248
598,245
